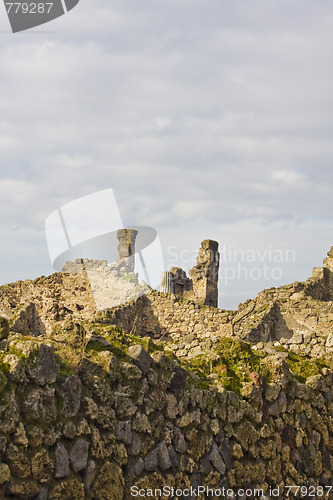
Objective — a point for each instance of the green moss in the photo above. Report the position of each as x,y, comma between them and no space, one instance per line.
116,347
14,350
280,348
200,366
304,366
66,369
119,341
238,356
231,364
146,342
266,373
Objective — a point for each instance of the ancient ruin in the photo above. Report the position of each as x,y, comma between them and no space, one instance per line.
202,285
165,389
117,283
126,256
113,284
107,282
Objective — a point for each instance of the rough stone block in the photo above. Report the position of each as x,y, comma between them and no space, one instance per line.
163,456
216,459
140,357
79,455
124,432
62,461
71,391
151,461
4,473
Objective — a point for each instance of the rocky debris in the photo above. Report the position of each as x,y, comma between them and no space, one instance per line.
178,380
109,483
329,341
39,406
54,299
67,490
163,456
124,432
151,460
42,495
138,467
20,436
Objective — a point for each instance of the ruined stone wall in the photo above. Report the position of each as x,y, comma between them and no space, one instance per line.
84,414
202,284
119,420
287,315
80,265
69,296
46,300
159,315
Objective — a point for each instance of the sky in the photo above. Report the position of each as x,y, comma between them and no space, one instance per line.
208,119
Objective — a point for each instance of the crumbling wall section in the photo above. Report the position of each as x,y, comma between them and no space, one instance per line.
202,284
164,315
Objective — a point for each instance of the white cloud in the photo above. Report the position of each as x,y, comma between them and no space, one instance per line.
197,117
288,176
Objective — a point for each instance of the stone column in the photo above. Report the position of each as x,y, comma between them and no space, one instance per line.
126,248
205,274
167,282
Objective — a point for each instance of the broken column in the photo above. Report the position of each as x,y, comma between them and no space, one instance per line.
167,282
205,274
126,248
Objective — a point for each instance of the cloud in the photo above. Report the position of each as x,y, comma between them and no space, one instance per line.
199,118
288,176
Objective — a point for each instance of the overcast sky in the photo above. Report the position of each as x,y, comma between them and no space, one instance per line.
209,119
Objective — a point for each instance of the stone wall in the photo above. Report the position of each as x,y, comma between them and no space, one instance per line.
46,300
125,419
288,315
164,315
86,412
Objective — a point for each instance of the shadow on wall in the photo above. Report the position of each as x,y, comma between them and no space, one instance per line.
164,315
28,322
